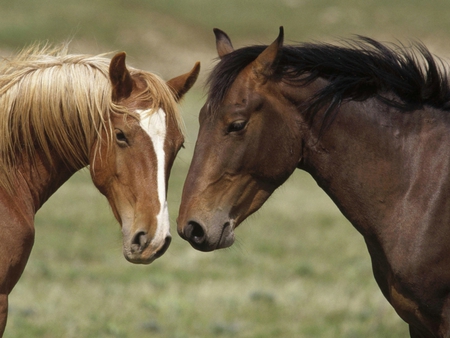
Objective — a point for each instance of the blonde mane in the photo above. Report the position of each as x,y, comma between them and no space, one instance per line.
59,104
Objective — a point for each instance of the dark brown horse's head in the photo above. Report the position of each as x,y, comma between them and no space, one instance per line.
247,146
132,166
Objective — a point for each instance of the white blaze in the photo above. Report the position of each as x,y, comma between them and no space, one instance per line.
155,126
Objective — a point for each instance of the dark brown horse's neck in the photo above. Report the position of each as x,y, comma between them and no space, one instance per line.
373,160
39,179
388,171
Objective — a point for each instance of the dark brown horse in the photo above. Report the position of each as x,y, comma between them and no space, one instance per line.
370,123
60,113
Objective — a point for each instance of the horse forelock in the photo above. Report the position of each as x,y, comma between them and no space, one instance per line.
226,71
160,97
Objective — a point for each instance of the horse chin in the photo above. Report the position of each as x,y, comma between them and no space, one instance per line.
146,253
226,240
135,259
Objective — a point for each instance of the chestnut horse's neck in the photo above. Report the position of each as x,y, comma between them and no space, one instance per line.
38,179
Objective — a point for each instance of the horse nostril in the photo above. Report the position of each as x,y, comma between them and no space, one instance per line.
194,232
139,241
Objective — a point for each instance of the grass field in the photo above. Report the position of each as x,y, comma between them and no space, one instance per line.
298,268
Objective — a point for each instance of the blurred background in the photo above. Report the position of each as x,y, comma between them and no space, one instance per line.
298,268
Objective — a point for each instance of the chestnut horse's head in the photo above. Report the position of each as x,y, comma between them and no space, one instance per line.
131,166
247,146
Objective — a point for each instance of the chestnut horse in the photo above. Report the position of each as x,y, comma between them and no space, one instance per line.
370,122
60,113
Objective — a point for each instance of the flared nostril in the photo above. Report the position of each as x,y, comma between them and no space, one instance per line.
139,241
194,232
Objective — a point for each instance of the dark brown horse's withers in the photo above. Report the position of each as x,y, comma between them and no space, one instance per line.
369,122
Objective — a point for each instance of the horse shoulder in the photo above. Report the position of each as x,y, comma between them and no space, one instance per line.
16,239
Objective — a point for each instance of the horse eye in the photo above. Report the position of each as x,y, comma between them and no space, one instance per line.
120,136
237,126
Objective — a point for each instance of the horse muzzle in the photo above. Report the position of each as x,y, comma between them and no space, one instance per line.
140,249
208,239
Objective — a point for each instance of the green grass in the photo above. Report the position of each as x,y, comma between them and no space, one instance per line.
298,269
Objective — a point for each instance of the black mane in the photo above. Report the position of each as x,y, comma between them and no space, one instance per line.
358,70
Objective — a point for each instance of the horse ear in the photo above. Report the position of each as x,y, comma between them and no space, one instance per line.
181,84
265,63
223,43
122,83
